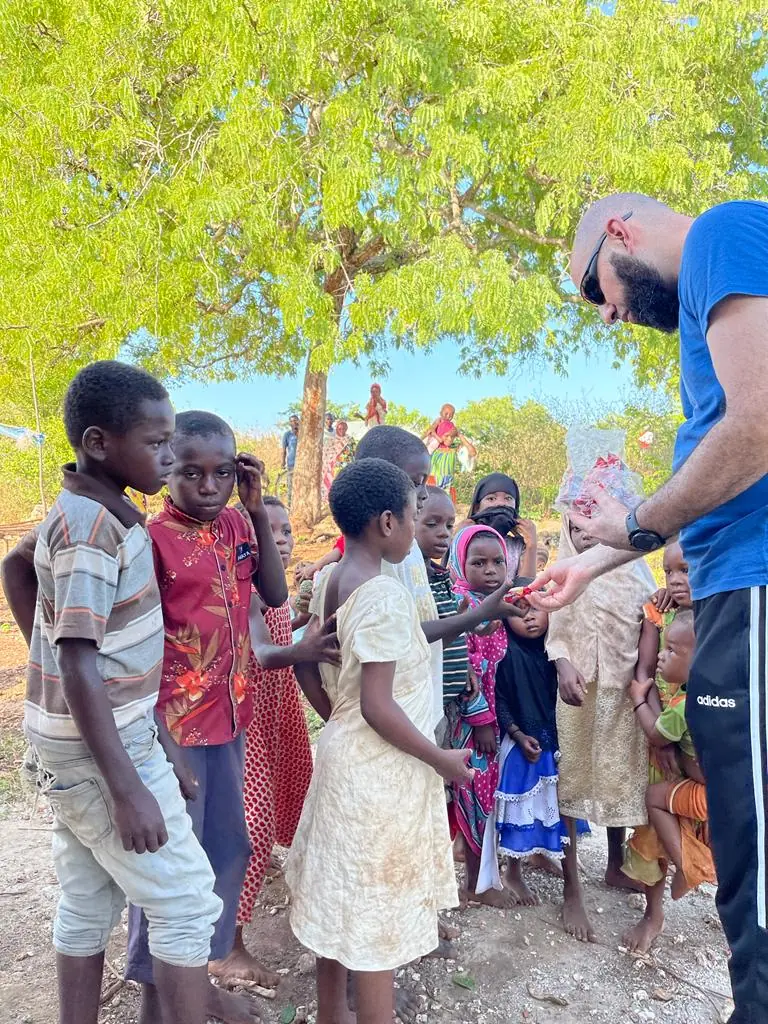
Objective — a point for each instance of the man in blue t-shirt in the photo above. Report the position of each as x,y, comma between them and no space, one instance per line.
290,442
641,262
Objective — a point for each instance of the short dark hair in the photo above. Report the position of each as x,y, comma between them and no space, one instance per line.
272,499
108,394
196,423
364,490
438,492
392,444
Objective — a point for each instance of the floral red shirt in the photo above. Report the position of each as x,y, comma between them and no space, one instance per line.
205,572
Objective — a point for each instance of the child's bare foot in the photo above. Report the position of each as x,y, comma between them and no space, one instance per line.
447,931
575,920
518,886
679,886
616,879
642,936
231,1008
444,950
504,900
407,1006
539,862
458,849
241,966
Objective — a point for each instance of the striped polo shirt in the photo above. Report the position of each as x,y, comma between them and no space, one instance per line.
96,581
455,655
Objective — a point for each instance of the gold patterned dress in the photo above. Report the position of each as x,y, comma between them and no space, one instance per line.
603,751
371,862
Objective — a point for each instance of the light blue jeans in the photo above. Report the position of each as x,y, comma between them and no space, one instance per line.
174,886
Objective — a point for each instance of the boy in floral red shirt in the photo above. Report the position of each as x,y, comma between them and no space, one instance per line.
207,556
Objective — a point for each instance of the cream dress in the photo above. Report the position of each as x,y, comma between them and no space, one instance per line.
371,863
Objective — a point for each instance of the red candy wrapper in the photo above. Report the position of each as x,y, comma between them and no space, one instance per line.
596,459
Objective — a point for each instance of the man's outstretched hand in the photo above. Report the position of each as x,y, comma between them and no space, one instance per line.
560,584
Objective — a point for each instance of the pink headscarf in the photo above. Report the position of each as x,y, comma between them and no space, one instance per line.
457,560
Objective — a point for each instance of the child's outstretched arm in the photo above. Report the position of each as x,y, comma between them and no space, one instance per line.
20,583
270,576
387,718
307,571
493,607
647,651
317,644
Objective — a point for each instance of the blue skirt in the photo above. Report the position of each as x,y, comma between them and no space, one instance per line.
528,818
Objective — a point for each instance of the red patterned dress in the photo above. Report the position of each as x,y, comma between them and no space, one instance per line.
278,761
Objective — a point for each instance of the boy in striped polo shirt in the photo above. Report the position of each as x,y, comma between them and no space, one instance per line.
121,827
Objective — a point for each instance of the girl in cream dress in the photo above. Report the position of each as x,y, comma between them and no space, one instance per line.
371,863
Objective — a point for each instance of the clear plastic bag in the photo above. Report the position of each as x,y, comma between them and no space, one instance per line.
596,457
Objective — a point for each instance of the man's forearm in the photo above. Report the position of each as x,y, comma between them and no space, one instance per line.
601,559
728,460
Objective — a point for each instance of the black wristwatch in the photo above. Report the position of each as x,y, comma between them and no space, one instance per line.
640,539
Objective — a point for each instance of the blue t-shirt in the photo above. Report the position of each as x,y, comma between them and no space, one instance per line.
725,253
290,441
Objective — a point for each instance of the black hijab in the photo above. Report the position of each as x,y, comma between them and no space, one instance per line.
491,484
502,518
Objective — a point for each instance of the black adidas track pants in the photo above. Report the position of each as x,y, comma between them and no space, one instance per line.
727,713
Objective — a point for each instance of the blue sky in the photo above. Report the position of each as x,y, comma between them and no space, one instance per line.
416,380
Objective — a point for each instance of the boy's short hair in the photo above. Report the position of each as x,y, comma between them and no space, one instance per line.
196,423
392,444
364,490
108,394
272,499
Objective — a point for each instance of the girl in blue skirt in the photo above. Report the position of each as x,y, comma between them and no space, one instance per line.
528,821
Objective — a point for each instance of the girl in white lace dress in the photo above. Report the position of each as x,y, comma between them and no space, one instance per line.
371,863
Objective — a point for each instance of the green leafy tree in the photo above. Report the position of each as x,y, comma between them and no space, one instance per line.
249,187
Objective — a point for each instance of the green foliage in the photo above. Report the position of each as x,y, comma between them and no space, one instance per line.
525,441
232,188
411,419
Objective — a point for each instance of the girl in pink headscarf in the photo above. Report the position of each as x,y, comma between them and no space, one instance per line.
478,564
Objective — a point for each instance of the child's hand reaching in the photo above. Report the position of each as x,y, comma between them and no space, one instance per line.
484,739
663,601
573,688
453,765
472,689
320,643
495,607
529,746
638,691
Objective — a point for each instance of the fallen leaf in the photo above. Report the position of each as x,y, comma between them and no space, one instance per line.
288,1015
546,997
464,981
663,995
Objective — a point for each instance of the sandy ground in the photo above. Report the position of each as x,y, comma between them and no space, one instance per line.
510,966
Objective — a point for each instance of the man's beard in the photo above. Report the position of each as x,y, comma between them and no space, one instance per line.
652,301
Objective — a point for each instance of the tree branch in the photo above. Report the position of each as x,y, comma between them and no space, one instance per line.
222,308
516,229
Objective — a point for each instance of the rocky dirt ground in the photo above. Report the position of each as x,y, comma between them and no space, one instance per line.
510,965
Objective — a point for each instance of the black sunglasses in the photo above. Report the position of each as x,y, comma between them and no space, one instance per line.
590,283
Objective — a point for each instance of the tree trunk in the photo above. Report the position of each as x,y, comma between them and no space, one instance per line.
305,508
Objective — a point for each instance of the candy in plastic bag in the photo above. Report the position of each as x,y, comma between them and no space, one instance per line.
596,457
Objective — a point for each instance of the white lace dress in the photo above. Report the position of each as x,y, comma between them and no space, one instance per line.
371,863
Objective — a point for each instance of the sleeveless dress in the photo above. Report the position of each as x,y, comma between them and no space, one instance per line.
278,761
371,863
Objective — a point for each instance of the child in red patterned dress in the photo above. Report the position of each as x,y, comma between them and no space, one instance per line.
278,759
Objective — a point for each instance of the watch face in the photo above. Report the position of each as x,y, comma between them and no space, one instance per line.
644,540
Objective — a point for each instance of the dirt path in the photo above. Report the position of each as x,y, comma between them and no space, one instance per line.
504,959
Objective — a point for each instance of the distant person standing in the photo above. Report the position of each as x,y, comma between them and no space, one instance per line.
290,443
641,262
